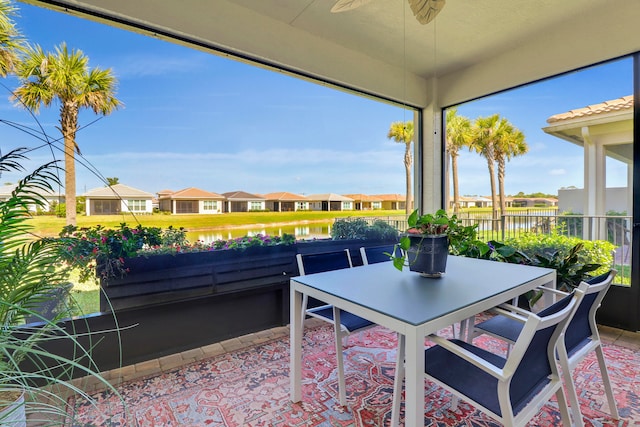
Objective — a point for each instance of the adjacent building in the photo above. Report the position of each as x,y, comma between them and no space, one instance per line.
241,201
286,202
117,199
190,201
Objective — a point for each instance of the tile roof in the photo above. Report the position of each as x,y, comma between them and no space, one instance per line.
363,197
624,103
241,195
283,195
390,197
332,197
191,193
118,191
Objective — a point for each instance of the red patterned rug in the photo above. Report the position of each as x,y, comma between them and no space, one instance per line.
250,387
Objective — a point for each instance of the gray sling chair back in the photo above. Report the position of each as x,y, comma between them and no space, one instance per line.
580,339
511,390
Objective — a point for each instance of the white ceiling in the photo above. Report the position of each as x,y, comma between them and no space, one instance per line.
482,46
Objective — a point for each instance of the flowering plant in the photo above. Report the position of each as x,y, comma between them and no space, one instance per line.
104,247
103,251
257,240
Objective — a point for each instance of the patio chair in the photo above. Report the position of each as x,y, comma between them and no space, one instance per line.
348,323
375,254
580,339
511,390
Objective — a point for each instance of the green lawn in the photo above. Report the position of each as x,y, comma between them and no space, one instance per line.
46,225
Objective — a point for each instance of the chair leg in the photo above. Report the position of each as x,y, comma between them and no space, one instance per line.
571,390
397,383
606,381
564,409
339,356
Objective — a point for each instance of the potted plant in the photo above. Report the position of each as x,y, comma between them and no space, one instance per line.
33,380
430,238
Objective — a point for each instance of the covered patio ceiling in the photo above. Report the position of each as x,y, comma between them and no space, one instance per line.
473,48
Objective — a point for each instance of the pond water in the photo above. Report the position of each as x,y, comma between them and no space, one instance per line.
301,231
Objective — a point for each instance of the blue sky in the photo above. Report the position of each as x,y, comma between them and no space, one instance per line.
192,119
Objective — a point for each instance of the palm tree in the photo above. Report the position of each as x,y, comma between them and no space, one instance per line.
65,77
11,41
113,181
458,135
403,133
485,133
511,143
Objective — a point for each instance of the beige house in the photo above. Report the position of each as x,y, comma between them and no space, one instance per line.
190,201
392,201
363,202
330,202
116,199
241,201
286,202
472,202
50,199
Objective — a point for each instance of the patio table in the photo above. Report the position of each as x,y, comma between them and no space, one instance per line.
411,305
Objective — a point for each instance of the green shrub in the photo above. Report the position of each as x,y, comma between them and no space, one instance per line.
358,228
592,252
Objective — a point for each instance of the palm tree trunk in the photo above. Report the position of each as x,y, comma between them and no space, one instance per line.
68,126
407,166
501,171
492,180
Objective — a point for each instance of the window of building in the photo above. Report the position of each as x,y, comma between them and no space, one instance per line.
137,205
256,206
210,205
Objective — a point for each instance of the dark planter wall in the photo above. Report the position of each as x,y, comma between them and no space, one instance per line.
165,278
168,304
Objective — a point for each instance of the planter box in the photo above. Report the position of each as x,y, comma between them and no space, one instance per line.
164,278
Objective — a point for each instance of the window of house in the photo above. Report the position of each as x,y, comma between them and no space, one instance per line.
210,205
137,205
256,206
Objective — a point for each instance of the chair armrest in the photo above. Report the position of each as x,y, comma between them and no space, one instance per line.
513,312
468,356
552,290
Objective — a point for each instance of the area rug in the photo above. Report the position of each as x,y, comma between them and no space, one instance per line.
250,387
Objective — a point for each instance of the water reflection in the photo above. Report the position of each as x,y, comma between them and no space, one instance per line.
301,231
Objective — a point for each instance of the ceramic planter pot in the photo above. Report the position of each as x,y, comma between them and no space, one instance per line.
427,255
14,414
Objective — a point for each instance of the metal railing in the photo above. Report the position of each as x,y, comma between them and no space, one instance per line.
615,229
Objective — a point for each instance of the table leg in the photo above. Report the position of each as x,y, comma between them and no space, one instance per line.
397,383
295,375
414,379
342,392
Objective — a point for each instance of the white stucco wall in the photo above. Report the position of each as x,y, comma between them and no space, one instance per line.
572,200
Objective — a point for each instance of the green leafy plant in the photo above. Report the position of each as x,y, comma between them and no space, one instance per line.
252,241
32,274
570,270
462,239
358,228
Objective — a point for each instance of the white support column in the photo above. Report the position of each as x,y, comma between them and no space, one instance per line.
432,167
589,201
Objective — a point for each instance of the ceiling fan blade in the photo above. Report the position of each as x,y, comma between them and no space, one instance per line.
345,5
426,10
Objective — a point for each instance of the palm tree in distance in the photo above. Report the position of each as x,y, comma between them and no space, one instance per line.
458,135
113,181
65,77
511,143
403,133
485,131
11,41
